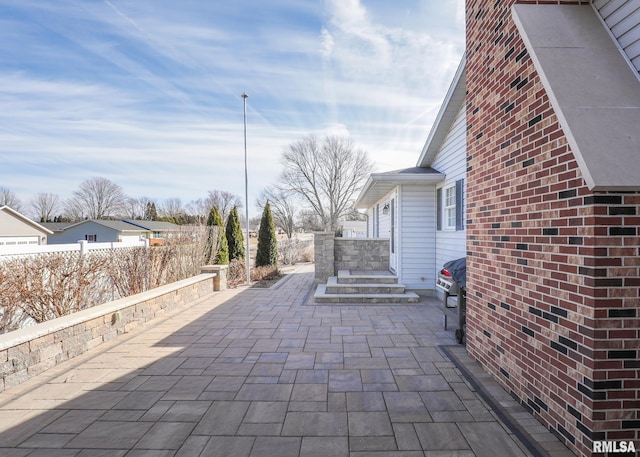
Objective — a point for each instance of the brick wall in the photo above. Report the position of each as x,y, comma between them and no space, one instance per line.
553,269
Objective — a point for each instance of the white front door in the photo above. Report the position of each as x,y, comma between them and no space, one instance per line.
393,236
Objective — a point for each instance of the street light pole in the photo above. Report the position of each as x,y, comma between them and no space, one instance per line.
247,254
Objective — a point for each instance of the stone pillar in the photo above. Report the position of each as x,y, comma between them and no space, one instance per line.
220,278
323,244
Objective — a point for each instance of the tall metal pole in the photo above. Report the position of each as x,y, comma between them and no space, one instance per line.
246,190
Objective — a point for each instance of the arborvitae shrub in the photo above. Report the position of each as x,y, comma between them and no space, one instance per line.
235,239
222,254
267,242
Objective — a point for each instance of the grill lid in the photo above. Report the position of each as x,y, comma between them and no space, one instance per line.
458,269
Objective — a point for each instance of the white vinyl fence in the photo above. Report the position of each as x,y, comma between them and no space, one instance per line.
82,247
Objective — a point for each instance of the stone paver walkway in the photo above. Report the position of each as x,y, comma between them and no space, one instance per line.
265,372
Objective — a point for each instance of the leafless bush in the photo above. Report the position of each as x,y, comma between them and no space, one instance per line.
128,270
308,255
237,273
12,317
47,286
139,269
193,247
264,273
292,251
52,285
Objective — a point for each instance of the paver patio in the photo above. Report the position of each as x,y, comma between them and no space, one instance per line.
266,372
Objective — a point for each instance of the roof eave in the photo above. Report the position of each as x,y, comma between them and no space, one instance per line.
380,184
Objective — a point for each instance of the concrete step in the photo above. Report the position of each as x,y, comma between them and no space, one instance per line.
335,287
368,277
321,296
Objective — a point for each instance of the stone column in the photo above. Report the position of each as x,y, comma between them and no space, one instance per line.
323,244
220,278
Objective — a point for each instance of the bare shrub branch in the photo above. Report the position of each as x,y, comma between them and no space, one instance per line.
53,285
42,287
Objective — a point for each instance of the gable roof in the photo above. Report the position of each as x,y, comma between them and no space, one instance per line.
25,219
593,90
119,226
57,226
454,99
155,226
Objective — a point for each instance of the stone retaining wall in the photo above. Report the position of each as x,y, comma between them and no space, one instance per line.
356,254
29,351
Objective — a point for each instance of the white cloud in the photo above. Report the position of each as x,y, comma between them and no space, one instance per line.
326,44
147,93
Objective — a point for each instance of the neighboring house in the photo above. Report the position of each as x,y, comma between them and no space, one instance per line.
354,229
159,231
98,231
421,209
16,229
553,210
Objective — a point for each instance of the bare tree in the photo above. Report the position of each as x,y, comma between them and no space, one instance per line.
327,175
172,208
74,210
224,201
137,208
45,206
254,222
283,207
310,221
97,198
199,209
10,199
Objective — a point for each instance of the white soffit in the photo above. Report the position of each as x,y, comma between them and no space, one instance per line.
380,184
592,89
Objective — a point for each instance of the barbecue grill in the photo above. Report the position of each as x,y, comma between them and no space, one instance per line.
452,280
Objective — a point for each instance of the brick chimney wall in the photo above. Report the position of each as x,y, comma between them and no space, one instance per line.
553,269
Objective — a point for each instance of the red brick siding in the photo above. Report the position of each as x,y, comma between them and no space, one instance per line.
553,269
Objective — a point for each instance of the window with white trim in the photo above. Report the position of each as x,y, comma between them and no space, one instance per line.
449,207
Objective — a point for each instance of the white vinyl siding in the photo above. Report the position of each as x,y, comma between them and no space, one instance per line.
383,229
452,161
16,231
385,221
623,19
417,221
370,222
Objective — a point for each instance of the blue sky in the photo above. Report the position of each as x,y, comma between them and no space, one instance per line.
147,93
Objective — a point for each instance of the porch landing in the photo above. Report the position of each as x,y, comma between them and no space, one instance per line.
373,287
